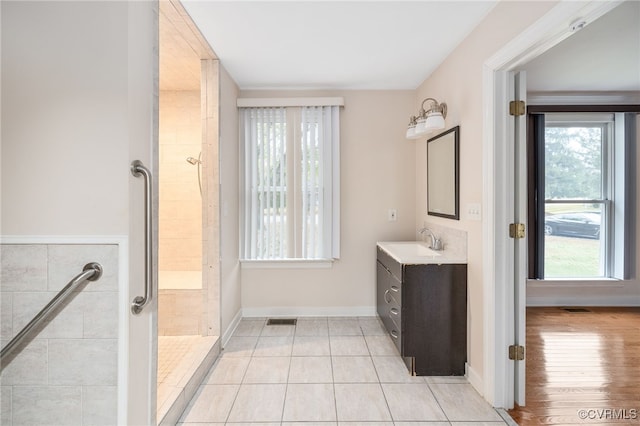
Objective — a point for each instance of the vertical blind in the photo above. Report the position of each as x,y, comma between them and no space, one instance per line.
291,182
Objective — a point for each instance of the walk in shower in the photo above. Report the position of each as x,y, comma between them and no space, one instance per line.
186,337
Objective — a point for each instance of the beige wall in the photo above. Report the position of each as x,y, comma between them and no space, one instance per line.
229,195
377,173
180,212
458,82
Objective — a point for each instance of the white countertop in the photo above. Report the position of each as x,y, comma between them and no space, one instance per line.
418,252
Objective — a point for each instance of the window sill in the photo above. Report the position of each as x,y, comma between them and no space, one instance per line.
287,264
577,282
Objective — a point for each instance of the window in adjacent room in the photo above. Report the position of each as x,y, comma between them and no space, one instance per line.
581,210
291,182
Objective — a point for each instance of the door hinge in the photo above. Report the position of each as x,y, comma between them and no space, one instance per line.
516,230
516,352
516,108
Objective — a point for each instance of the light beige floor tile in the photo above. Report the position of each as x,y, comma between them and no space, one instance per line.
310,424
312,327
271,369
274,346
240,346
211,403
311,346
258,403
372,326
309,402
477,424
461,402
348,346
459,380
361,402
391,369
366,424
228,370
249,328
381,346
412,402
311,369
278,330
422,424
353,369
344,327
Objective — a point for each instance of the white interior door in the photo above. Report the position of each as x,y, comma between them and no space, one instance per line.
518,82
79,105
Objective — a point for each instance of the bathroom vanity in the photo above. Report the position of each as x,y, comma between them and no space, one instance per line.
422,301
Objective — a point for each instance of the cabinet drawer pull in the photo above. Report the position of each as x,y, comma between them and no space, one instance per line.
395,288
394,334
394,311
385,296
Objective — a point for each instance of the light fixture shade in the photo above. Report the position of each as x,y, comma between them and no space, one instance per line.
434,121
421,126
411,132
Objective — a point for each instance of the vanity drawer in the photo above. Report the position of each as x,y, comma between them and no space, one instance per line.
390,263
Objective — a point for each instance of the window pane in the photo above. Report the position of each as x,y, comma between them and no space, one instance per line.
573,163
574,242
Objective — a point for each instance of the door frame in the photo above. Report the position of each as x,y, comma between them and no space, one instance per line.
499,314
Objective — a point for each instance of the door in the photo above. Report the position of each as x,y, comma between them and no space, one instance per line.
78,106
518,83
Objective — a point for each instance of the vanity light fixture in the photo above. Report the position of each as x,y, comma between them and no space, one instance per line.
427,120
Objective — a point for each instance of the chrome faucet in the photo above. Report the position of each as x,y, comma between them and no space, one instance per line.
436,243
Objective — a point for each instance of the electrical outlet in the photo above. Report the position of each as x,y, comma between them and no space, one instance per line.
392,215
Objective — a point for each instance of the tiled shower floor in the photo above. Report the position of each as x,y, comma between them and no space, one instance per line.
328,372
179,358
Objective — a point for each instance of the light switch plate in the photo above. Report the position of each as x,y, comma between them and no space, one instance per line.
392,215
474,211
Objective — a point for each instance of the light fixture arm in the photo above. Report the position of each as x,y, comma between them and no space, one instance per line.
437,107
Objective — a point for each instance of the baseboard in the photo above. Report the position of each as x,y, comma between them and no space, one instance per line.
474,379
293,311
232,328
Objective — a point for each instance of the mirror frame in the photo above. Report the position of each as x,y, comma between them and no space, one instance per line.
455,164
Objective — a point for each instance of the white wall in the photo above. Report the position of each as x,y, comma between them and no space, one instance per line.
458,82
229,198
377,173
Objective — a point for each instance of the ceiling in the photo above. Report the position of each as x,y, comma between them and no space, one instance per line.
334,44
373,45
603,56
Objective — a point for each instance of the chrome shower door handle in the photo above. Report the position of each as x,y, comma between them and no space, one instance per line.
139,302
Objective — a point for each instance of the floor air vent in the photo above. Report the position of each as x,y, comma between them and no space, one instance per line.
576,310
281,321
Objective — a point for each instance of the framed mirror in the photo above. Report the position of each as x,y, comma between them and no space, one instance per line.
443,174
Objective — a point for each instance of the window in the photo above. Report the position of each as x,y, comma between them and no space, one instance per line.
580,196
291,182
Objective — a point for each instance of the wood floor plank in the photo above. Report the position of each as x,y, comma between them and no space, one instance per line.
586,361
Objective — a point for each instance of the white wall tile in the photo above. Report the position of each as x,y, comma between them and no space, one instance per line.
43,405
29,367
100,314
24,267
83,362
6,315
67,324
98,403
67,260
5,405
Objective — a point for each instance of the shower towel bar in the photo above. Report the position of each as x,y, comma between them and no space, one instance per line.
91,272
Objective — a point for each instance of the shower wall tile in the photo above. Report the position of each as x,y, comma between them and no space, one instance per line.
24,267
97,405
74,361
58,405
5,405
6,315
29,367
70,367
67,260
180,222
180,312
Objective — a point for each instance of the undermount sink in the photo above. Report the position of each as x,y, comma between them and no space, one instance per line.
412,249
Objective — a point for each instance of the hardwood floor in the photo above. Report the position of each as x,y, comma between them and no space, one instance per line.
582,364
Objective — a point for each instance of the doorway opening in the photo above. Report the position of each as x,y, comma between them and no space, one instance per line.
188,235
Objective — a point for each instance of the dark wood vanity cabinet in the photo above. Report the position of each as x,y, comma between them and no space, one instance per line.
424,309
